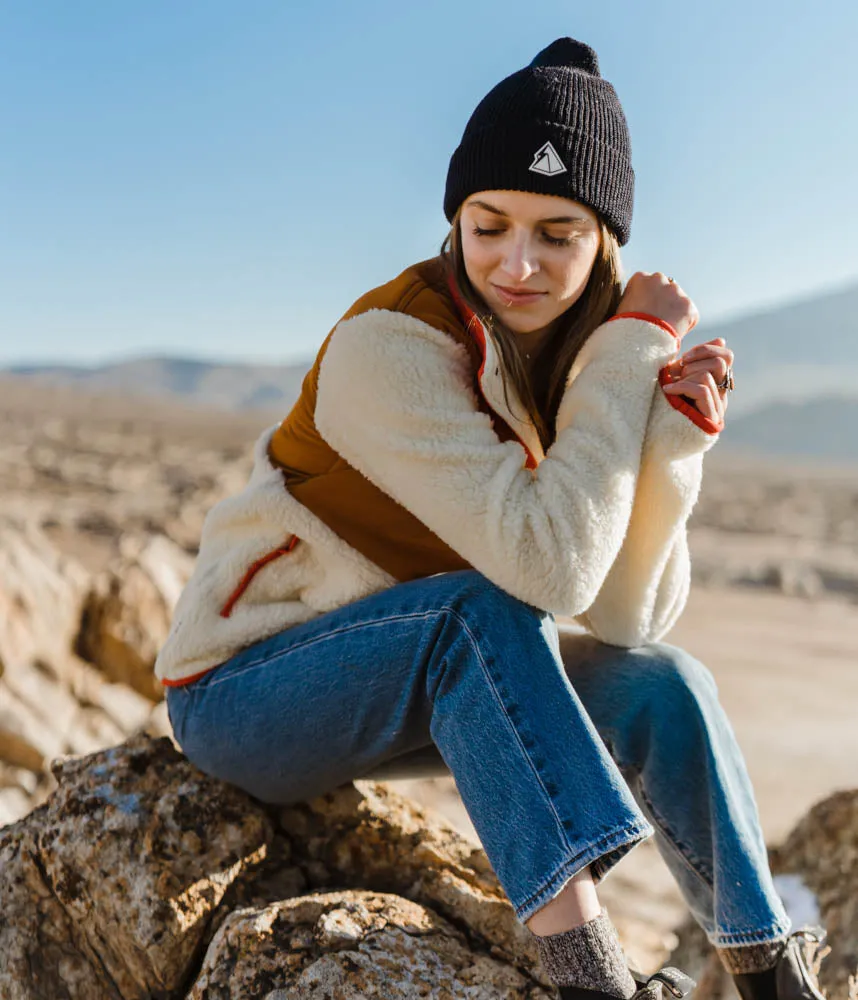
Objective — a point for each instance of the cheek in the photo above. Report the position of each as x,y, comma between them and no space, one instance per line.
573,272
478,259
473,249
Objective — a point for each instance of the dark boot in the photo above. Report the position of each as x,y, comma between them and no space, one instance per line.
666,984
791,978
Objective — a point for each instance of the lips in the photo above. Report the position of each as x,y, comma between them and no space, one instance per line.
512,297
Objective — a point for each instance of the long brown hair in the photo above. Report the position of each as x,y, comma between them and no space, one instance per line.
540,394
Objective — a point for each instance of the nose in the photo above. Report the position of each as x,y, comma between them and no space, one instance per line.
520,259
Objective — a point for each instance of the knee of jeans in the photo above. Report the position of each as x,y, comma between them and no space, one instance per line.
476,595
680,683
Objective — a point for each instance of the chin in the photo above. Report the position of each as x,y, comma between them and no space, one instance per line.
525,324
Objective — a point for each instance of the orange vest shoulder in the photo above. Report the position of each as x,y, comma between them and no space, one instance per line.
420,291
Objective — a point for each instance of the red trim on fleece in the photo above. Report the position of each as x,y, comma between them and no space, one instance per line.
650,319
282,550
186,680
226,610
679,402
477,331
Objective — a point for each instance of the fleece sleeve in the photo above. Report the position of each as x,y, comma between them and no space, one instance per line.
395,399
645,590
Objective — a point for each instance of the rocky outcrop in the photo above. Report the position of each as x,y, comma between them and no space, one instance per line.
351,944
141,877
108,889
816,871
127,612
102,501
76,652
822,853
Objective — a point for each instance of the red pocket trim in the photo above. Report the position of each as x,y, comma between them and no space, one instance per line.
282,550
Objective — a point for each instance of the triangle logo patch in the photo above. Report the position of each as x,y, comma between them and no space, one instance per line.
547,161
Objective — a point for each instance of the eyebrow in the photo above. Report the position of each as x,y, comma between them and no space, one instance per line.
498,211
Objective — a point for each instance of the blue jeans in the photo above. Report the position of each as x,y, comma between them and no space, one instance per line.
560,765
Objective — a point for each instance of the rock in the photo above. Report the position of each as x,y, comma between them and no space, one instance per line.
139,869
351,945
14,803
127,612
822,851
15,748
819,859
126,708
109,888
365,836
41,594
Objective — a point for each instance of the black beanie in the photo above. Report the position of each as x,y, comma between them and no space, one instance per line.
554,127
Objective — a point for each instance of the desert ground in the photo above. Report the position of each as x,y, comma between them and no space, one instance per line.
773,611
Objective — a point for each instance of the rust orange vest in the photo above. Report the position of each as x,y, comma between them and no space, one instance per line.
319,478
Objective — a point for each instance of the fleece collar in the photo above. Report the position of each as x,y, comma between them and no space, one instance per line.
491,382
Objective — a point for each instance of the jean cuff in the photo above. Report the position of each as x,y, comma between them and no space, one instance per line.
600,857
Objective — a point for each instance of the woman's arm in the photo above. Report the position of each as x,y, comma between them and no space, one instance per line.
646,589
395,399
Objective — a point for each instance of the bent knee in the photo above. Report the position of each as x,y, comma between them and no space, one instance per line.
679,679
475,593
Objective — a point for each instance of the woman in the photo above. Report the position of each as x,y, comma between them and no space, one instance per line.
498,436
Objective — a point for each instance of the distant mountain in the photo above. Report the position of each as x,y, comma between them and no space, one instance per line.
822,429
797,351
225,386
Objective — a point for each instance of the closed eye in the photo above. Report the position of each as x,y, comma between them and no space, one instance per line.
557,241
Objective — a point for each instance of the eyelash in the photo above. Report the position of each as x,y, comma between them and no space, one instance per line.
556,241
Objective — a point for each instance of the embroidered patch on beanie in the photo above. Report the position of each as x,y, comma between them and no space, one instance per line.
547,161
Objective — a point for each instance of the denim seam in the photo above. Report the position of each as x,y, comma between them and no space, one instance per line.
682,852
548,798
318,638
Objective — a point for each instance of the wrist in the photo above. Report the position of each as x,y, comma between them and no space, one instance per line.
649,319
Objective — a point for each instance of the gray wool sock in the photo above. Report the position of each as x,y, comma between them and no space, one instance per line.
588,956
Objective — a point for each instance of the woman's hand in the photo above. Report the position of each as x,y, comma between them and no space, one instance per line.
696,374
657,295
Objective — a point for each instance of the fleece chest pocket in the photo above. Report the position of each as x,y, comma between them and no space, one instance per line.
252,570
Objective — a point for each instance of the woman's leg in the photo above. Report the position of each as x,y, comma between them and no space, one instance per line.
453,660
657,710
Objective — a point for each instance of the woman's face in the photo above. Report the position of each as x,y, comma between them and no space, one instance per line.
528,255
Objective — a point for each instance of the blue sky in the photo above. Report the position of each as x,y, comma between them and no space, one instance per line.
222,180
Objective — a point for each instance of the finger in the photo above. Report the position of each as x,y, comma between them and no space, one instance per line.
692,391
716,366
702,390
674,368
708,350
